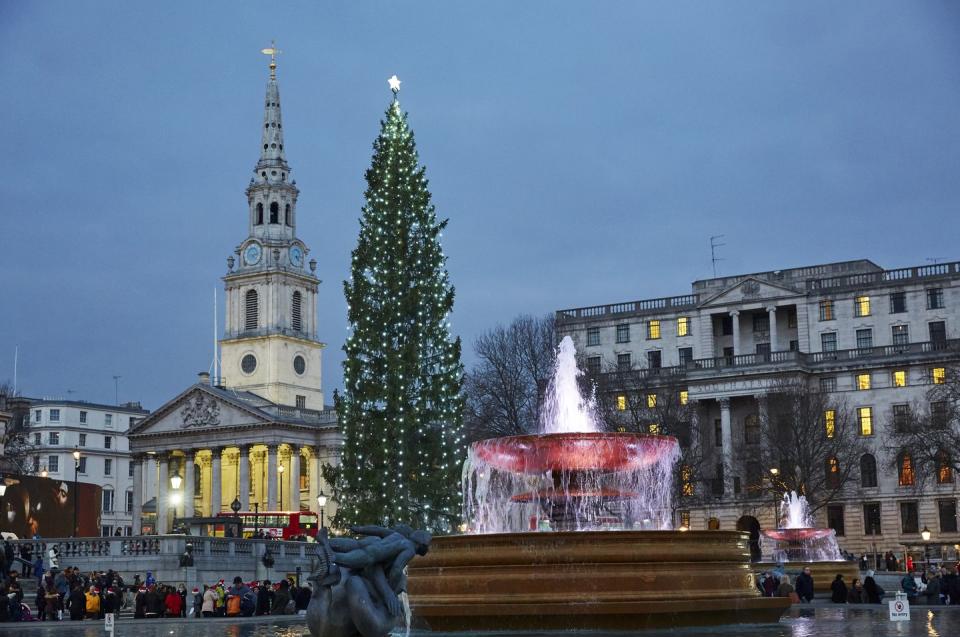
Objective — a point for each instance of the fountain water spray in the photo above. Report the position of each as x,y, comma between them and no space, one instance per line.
797,540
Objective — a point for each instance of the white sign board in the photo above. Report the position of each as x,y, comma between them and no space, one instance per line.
899,610
108,623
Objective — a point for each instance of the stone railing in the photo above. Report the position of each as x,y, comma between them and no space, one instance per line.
864,279
648,306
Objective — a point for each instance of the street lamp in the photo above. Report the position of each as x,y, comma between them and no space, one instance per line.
76,470
235,507
774,472
280,469
175,482
925,534
321,502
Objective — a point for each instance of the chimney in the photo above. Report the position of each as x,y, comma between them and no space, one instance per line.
203,378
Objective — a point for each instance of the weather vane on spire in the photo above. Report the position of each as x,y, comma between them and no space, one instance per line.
394,83
272,51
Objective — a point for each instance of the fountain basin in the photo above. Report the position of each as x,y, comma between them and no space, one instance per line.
614,580
796,536
579,451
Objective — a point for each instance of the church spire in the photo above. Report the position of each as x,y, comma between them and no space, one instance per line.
272,166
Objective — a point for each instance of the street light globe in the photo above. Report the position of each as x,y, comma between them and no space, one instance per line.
43,474
174,499
76,454
774,471
322,500
280,468
175,482
925,534
3,488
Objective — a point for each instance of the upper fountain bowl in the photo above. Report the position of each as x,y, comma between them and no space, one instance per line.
796,535
576,451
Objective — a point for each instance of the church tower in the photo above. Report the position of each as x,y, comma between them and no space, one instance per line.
270,344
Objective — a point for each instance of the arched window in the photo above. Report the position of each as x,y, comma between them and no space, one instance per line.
832,467
259,220
288,216
296,317
868,471
274,212
905,469
251,310
944,468
713,524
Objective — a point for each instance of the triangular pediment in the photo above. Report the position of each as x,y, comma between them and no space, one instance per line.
198,409
750,290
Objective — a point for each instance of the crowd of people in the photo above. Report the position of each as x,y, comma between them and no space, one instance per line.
935,587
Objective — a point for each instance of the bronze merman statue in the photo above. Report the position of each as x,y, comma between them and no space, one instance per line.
358,583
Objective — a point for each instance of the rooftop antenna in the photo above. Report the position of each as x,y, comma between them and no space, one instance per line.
215,364
714,244
16,357
116,389
935,260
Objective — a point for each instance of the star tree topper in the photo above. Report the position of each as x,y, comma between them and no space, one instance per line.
394,83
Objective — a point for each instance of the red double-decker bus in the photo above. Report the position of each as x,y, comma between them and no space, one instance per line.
279,524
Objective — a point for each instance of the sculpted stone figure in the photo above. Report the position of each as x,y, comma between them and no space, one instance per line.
359,581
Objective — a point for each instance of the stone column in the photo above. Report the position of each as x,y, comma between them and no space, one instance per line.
313,471
772,313
293,482
163,479
271,477
137,460
727,452
216,482
188,483
735,317
244,460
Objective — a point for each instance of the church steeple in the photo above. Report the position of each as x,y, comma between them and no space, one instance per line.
273,162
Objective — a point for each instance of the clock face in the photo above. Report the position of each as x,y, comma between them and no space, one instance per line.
296,256
251,256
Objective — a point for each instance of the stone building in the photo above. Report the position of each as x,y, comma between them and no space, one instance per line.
261,432
878,338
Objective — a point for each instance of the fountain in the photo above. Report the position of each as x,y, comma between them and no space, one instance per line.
797,544
570,529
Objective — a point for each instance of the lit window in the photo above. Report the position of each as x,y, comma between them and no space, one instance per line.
830,422
684,396
826,310
900,378
685,474
833,472
651,401
944,468
939,375
685,517
653,330
621,402
861,306
653,428
905,472
865,418
863,381
683,326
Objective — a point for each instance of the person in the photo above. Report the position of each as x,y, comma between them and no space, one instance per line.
838,590
933,588
154,602
53,556
909,586
38,569
805,585
873,590
265,598
209,601
855,596
26,556
140,603
770,584
785,587
93,603
41,604
281,599
951,586
197,602
77,603
172,602
111,602
182,592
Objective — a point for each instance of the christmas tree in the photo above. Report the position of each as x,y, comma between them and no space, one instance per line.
401,408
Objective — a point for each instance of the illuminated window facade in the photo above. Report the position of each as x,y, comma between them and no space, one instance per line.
865,420
830,422
651,401
684,396
861,306
826,310
905,473
900,378
653,330
863,381
683,326
939,375
621,402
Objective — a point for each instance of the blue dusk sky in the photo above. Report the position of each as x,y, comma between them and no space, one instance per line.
584,153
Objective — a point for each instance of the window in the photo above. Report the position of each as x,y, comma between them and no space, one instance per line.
83,417
108,500
653,330
828,384
864,338
939,414
684,396
901,417
828,341
751,432
717,433
794,345
826,310
713,524
259,219
899,378
54,415
861,306
754,476
53,464
593,336
868,471
82,465
938,332
128,505
301,402
835,519
726,325
763,349
274,212
865,420
107,442
792,318
934,298
833,472
761,325
621,403
296,321
830,422
905,474
939,375
948,515
686,474
685,354
901,334
654,360
251,311
623,333
37,439
909,517
130,466
108,466
106,530
898,302
288,217
651,401
82,440
593,365
623,362
683,326
863,381
36,464
944,468
36,415
108,420
653,428
871,518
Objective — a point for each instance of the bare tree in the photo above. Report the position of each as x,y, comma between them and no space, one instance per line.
502,390
17,449
812,440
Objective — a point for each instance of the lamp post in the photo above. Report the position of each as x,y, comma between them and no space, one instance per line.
774,472
76,471
925,534
235,507
280,469
175,482
321,502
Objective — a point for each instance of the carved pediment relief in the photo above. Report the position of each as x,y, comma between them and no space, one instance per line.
750,290
200,410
